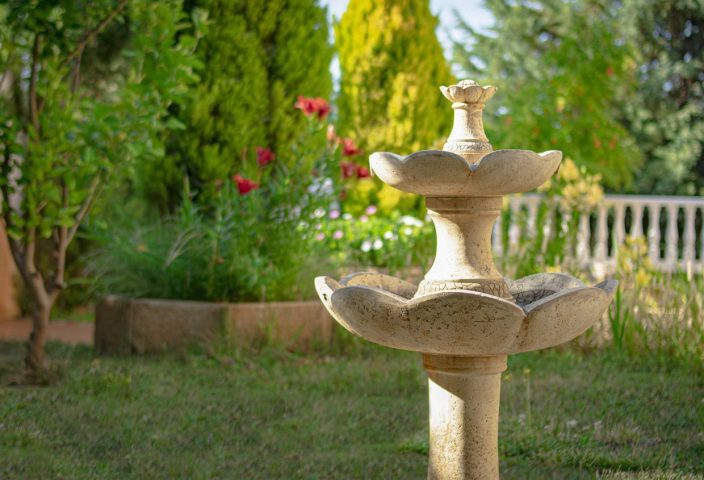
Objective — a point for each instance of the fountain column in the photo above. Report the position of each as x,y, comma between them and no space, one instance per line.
464,397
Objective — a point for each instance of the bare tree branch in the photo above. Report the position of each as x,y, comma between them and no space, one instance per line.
85,207
90,34
33,106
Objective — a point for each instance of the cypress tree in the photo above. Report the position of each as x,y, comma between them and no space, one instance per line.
258,57
391,67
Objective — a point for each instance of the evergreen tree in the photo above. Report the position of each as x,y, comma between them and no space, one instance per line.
258,57
667,115
562,69
391,67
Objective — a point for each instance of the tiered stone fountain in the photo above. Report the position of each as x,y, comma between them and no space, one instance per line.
464,317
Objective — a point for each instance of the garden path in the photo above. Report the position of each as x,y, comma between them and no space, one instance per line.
73,333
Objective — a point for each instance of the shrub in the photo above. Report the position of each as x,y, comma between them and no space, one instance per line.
256,242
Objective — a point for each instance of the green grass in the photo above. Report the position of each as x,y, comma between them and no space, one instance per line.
363,415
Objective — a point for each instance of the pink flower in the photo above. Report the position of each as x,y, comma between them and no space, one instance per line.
310,106
264,156
337,235
320,237
370,210
331,135
244,185
334,214
349,149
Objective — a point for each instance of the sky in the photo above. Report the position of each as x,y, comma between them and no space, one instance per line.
471,10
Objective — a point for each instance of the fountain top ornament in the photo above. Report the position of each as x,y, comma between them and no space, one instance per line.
464,306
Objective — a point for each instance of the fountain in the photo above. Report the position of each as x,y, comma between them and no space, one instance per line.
464,317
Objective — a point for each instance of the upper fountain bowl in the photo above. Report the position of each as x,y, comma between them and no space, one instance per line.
441,173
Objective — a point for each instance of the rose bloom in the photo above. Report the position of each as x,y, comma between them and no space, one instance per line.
349,149
311,106
349,169
363,172
264,156
244,185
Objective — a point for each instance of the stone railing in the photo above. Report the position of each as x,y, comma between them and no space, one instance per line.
673,227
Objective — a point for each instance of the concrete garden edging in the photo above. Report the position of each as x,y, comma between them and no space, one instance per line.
125,326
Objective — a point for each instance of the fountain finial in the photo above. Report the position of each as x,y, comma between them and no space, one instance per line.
467,138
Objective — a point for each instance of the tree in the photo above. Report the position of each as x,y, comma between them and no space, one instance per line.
61,137
258,57
391,66
563,70
667,113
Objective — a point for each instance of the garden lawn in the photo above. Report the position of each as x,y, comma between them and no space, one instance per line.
362,415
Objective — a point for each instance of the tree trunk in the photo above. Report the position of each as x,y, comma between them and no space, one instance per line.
37,339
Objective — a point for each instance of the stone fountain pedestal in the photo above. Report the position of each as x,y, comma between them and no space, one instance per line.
465,317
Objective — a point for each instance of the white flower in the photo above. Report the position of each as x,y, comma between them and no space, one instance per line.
378,244
319,213
407,230
411,221
366,246
388,235
347,216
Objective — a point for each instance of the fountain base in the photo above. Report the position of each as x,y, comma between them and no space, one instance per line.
464,395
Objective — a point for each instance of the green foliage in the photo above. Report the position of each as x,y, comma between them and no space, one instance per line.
667,113
62,138
250,245
391,67
399,245
258,57
563,69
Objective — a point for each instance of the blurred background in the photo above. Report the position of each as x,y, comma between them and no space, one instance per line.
216,151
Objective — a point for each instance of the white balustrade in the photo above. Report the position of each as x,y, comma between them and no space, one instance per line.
673,227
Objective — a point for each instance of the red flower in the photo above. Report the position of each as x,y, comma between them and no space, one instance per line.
305,105
244,185
349,149
264,156
310,106
351,169
362,172
609,71
348,169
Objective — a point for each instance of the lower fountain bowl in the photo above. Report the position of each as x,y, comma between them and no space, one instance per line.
549,309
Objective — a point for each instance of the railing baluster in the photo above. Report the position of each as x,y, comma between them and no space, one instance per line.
514,230
671,238
601,249
533,204
583,240
689,250
637,224
619,234
497,236
654,233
